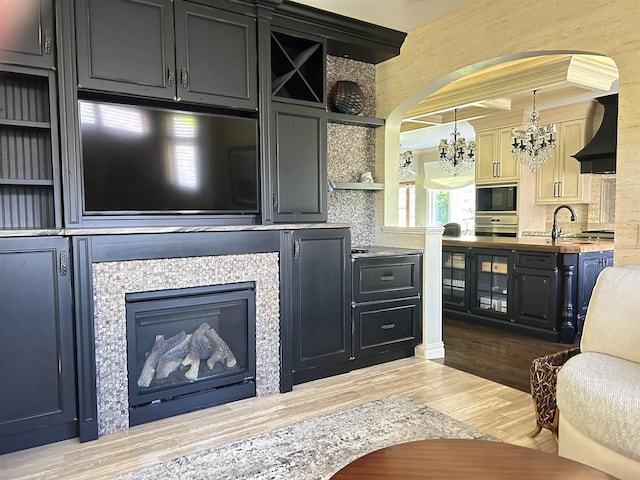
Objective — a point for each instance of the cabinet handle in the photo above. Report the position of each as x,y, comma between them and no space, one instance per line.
559,189
296,249
493,173
64,263
274,201
387,278
170,77
183,77
46,43
555,189
388,326
497,169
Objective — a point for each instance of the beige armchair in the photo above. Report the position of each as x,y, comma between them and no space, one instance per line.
598,390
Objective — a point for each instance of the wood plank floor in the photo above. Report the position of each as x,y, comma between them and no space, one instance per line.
494,354
499,410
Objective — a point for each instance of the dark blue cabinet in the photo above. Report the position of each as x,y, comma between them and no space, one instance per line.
37,368
316,298
32,43
167,50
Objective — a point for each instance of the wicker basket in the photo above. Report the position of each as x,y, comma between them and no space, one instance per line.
544,373
346,97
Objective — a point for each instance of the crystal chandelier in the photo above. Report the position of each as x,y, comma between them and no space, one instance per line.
533,146
406,164
457,156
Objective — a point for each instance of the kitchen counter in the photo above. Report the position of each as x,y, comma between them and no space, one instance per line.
532,244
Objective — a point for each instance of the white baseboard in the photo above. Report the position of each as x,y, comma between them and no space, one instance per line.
431,351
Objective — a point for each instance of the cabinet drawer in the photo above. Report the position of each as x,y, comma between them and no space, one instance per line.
536,260
382,278
385,326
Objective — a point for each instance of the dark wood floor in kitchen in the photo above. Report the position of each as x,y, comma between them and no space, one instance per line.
497,355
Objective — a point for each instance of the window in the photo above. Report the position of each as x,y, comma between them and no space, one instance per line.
453,206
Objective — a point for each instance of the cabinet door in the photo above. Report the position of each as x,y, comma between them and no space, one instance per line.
590,265
321,324
572,182
28,36
36,343
454,279
535,297
215,56
559,179
486,156
547,189
126,46
509,167
299,156
491,285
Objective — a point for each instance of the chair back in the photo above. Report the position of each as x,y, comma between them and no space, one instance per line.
452,229
612,325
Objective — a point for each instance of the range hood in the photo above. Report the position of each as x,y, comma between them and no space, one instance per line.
599,155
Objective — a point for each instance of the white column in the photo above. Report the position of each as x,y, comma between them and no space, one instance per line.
432,345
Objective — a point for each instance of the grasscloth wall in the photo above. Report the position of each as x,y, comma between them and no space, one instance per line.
491,31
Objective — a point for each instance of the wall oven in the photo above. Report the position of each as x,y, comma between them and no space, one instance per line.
498,225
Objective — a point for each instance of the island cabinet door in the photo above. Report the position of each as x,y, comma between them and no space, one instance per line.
590,265
37,371
535,293
491,273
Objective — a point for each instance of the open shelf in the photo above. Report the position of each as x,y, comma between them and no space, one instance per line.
358,186
27,182
26,162
357,120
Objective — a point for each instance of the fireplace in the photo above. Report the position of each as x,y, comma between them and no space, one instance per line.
114,281
189,348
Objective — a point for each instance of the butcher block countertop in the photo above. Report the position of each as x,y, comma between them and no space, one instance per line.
531,244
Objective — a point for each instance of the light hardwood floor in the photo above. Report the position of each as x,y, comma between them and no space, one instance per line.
491,407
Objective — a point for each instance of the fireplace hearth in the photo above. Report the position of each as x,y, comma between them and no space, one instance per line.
189,348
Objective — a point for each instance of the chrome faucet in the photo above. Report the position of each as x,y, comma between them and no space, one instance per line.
555,231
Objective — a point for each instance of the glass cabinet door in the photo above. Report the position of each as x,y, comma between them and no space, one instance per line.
454,279
492,283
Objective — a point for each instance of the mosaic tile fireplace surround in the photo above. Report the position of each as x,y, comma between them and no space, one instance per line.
113,279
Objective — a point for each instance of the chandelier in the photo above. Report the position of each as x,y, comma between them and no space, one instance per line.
533,145
406,164
457,156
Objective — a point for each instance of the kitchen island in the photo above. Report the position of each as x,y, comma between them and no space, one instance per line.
529,285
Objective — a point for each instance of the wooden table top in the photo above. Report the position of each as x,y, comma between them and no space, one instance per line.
465,459
531,244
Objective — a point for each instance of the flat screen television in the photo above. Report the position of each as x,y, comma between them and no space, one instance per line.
150,160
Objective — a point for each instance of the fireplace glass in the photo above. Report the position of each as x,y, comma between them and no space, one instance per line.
189,348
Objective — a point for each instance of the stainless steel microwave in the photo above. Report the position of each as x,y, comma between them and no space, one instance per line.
497,198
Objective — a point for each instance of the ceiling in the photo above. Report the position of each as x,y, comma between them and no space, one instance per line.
558,79
403,15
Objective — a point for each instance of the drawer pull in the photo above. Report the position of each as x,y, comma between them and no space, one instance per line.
388,326
387,278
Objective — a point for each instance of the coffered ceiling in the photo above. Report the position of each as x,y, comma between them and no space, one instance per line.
558,79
